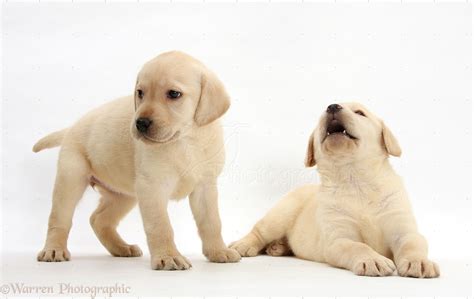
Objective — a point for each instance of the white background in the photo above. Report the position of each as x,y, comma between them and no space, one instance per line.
282,65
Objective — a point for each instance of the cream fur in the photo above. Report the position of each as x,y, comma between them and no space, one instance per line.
182,154
359,217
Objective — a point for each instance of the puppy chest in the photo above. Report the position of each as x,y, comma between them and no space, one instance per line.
184,187
356,216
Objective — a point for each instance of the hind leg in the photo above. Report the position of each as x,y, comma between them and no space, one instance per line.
279,248
105,219
274,226
71,182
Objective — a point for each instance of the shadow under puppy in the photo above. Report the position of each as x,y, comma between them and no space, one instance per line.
165,142
359,217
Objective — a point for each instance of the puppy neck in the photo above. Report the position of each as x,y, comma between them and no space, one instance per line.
354,172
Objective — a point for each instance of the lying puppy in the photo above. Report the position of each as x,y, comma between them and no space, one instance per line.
162,143
359,217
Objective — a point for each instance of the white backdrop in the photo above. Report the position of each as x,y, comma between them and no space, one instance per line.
282,64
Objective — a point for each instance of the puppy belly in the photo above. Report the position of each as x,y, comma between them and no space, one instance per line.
304,240
306,247
96,182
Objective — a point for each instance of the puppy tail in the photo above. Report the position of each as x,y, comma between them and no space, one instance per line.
52,140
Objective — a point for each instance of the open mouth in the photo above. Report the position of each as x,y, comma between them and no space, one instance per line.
335,127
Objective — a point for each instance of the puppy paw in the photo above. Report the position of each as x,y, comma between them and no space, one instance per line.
245,248
278,248
374,266
419,268
126,251
224,255
54,255
170,262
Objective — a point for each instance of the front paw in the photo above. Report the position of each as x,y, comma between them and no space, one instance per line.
53,255
419,268
222,255
170,262
374,266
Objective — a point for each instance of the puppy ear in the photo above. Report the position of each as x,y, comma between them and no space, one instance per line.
310,161
390,142
135,95
214,100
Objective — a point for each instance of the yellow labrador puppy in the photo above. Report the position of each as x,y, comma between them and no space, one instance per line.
163,143
359,217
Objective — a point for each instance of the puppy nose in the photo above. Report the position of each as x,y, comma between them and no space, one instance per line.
143,124
333,108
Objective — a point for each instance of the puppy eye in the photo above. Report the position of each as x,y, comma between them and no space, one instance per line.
140,93
173,94
360,112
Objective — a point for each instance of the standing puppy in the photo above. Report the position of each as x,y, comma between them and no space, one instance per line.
359,217
162,143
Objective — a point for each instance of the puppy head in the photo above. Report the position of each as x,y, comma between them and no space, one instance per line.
349,131
174,93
